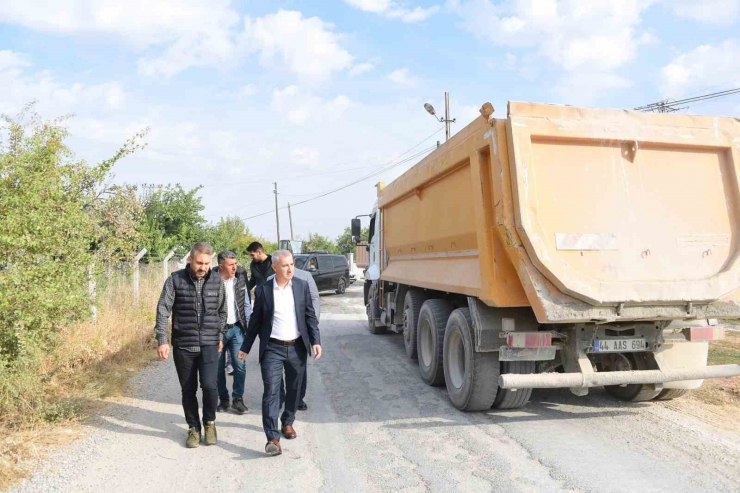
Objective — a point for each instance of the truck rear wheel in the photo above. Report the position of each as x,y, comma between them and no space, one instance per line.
513,399
471,377
430,339
632,392
411,308
669,394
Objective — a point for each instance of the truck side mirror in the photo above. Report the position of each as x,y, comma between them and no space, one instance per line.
356,229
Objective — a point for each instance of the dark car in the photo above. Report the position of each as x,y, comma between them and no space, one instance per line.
330,271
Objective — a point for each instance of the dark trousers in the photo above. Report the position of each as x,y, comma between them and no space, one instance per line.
275,360
303,389
190,368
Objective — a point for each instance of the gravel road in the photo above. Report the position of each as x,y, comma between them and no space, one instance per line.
373,425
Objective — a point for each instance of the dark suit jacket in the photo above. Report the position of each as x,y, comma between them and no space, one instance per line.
260,323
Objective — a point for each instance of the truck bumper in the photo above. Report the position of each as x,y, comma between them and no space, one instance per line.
580,380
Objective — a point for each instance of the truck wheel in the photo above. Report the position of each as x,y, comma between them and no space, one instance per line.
430,339
633,392
471,378
669,394
411,308
513,399
341,285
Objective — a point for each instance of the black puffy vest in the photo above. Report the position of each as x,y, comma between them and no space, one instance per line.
195,321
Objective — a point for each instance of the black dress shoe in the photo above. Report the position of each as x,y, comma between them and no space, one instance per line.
303,406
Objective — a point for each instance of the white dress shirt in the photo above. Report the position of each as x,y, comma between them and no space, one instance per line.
284,323
230,305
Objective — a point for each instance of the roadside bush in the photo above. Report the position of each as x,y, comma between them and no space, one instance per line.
60,220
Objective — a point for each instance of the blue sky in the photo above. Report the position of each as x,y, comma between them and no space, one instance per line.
314,95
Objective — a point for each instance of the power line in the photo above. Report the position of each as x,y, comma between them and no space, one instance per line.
347,185
670,106
383,167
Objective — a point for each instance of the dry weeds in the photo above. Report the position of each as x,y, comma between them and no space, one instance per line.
63,386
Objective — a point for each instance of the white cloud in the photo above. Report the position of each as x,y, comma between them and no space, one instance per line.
709,11
392,10
374,6
307,156
701,68
361,68
308,47
527,66
585,88
402,77
175,36
592,38
247,91
598,34
417,14
298,106
191,32
20,86
12,59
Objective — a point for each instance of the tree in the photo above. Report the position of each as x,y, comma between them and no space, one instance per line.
172,220
317,242
231,233
59,217
344,241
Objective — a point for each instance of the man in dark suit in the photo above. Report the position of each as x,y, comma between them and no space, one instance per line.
285,321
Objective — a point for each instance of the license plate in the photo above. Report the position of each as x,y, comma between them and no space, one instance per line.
619,345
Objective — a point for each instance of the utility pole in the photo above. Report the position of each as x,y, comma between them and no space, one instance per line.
290,218
277,215
447,116
446,120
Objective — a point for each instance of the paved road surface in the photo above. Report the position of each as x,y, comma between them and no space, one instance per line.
374,426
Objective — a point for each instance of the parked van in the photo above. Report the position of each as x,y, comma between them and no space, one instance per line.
330,271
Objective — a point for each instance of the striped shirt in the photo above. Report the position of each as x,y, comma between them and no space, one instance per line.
167,300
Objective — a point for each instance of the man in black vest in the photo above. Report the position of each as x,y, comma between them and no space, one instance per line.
285,321
196,299
238,310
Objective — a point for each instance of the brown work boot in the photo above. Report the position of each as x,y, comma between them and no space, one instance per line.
210,427
193,438
289,432
273,448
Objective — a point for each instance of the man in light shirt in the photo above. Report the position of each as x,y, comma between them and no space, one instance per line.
239,310
316,300
285,321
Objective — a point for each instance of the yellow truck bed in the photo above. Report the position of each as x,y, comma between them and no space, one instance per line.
582,214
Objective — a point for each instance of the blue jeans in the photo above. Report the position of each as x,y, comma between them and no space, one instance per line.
232,343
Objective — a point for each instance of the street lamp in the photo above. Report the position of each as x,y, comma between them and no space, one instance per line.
446,120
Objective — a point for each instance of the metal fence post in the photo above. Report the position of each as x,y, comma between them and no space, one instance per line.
92,292
136,272
166,266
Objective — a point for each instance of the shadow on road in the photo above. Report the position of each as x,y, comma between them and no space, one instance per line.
130,420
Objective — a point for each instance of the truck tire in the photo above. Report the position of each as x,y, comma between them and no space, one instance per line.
430,340
669,394
514,399
411,308
471,378
633,392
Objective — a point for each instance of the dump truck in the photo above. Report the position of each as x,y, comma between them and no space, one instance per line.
562,247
